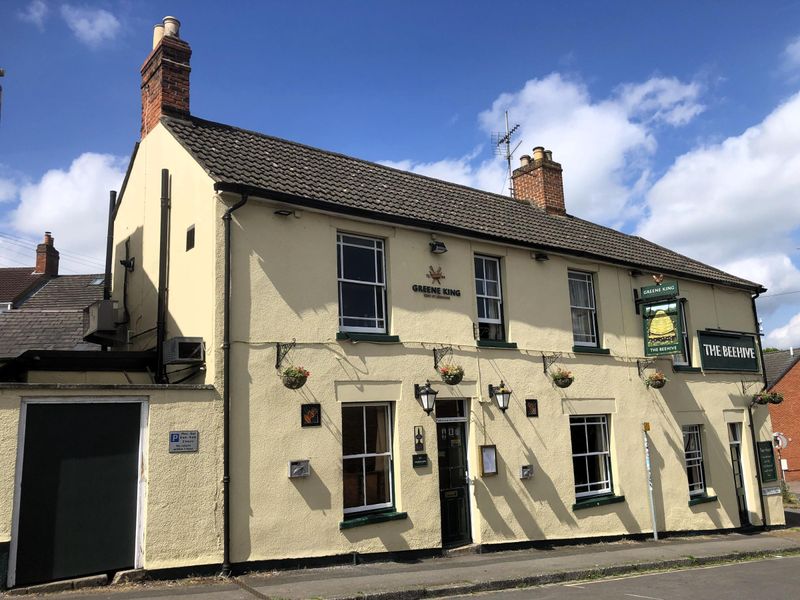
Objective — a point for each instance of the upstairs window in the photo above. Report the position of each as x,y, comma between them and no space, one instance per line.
583,308
693,455
490,300
362,283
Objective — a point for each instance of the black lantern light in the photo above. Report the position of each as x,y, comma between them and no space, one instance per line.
427,395
501,394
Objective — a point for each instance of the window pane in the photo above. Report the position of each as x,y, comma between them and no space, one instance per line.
579,468
377,480
352,430
359,241
578,293
491,331
492,310
596,438
597,470
479,268
481,308
492,289
359,264
358,301
353,482
376,418
578,433
490,269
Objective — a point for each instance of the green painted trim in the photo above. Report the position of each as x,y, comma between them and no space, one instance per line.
599,501
590,350
494,344
368,337
686,369
373,518
702,500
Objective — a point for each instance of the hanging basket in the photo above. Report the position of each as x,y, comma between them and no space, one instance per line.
564,382
657,384
768,398
451,374
294,382
295,377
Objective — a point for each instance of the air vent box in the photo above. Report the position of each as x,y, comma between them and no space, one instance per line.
184,351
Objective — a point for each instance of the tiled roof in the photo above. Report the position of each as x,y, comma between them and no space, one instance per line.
66,292
15,281
241,160
22,330
777,364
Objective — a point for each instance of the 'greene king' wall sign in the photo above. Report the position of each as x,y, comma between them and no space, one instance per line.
435,291
728,351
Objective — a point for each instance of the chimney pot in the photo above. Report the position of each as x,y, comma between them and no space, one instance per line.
538,153
549,155
158,33
525,160
540,183
172,27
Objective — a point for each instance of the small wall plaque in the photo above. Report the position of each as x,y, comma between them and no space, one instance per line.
310,415
419,439
419,460
531,407
183,441
526,471
489,460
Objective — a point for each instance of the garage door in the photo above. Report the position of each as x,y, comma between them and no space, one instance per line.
78,500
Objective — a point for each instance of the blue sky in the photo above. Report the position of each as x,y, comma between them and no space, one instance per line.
678,121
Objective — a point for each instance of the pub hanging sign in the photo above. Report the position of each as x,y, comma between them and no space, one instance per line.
662,328
728,351
664,290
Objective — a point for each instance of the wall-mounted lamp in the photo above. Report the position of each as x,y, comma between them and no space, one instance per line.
501,394
427,395
540,256
438,247
284,212
635,273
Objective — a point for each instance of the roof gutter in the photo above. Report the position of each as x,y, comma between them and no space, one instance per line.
226,393
242,189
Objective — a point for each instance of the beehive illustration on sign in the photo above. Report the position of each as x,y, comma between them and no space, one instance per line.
662,329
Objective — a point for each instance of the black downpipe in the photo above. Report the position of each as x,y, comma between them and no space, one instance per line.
163,246
112,202
750,414
226,394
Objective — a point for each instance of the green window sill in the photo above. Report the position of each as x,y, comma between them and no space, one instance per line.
599,501
495,344
702,500
590,350
373,518
686,369
368,337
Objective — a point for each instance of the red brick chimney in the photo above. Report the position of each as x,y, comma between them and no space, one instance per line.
165,76
539,181
46,256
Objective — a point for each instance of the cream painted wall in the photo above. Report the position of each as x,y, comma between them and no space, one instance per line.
183,523
192,310
289,266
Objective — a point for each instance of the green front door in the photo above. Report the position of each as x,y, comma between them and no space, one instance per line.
453,483
77,510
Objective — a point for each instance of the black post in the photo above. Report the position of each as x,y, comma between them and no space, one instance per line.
161,375
226,394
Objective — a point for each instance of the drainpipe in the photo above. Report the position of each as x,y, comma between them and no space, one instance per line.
161,374
750,414
112,202
226,394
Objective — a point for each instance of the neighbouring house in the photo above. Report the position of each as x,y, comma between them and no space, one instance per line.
783,376
483,369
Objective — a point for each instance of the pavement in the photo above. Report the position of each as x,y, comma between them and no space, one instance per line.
469,573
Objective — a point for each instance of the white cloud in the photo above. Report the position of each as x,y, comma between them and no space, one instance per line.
791,54
73,204
35,13
90,26
604,145
8,190
785,336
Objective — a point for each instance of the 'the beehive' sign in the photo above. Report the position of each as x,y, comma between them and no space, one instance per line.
662,328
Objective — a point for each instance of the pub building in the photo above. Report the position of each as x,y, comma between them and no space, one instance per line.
397,364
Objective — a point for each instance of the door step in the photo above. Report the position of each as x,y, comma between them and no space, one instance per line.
60,586
462,550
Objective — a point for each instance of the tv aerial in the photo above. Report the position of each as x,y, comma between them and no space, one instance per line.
502,147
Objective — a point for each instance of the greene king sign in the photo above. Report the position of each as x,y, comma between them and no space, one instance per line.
728,351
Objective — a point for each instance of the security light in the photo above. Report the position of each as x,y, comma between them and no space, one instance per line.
438,247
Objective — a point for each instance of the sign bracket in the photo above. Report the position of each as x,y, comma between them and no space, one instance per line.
548,360
746,385
439,354
642,364
281,350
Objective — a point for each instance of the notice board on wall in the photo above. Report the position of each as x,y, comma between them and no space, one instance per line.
766,461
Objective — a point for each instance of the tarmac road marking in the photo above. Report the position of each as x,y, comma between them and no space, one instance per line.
647,597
